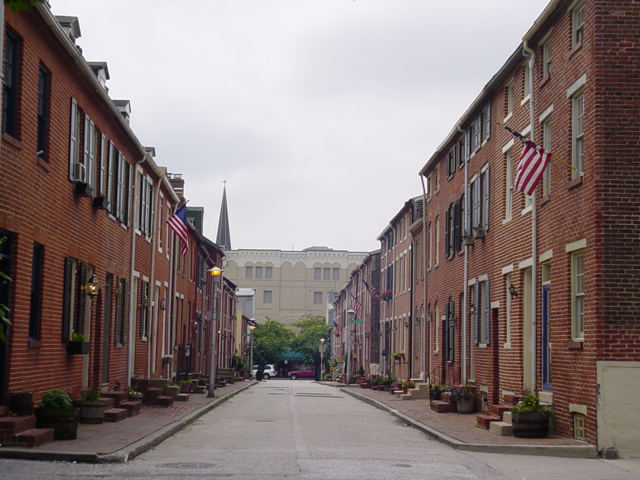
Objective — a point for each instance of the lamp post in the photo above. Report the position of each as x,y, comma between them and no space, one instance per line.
216,273
251,328
322,347
350,315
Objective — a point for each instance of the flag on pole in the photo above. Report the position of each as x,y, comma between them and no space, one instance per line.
533,161
373,291
337,327
178,223
356,305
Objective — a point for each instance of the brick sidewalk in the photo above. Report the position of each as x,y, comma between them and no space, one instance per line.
110,438
460,427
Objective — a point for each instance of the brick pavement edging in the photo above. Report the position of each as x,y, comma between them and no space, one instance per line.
574,451
130,451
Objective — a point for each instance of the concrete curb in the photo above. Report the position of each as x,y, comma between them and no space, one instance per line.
572,451
130,451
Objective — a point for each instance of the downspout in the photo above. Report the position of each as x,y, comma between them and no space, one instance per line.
426,330
412,316
465,277
132,294
528,52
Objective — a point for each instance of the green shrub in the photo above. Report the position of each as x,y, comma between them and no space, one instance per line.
90,395
57,399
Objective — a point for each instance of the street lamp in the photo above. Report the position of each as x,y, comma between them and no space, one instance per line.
215,273
322,346
350,315
251,328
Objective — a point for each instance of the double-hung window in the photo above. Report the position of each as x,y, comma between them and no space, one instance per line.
478,194
577,295
577,130
480,311
44,82
577,25
547,58
10,86
89,152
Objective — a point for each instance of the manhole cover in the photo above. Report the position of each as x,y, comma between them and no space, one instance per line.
188,465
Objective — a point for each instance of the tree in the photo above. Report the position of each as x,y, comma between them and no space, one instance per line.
17,5
307,341
271,341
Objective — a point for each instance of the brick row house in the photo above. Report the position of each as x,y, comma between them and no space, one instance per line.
84,213
513,293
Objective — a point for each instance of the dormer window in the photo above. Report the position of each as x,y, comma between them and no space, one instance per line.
71,27
101,71
124,107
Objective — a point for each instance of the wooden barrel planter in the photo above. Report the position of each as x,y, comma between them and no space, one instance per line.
63,421
530,424
91,411
465,405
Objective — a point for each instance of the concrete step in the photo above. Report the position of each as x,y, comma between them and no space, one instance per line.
201,389
182,397
132,407
115,415
506,417
33,438
501,428
484,421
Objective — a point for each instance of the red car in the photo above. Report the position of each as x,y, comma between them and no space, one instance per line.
304,372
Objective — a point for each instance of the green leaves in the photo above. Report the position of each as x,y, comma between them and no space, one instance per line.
271,341
17,5
307,342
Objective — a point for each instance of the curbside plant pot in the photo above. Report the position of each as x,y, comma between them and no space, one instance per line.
465,405
90,411
63,421
530,424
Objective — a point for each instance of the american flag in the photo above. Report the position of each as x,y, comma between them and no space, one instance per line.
373,291
337,327
356,305
533,161
178,223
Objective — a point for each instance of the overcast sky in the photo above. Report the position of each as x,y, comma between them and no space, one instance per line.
318,113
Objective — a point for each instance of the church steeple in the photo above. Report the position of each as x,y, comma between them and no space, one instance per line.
224,234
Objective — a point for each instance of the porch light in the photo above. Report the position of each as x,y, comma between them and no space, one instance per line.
91,288
513,291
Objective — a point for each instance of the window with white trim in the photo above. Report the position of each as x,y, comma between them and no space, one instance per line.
577,25
577,134
89,151
526,82
547,58
577,295
508,185
546,144
509,99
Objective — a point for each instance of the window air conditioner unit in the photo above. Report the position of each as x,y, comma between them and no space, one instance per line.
79,174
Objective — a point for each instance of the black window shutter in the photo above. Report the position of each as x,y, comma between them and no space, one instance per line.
66,299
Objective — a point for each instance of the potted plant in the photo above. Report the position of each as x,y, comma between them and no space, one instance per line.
90,406
406,385
78,344
56,411
185,386
134,394
386,382
465,399
468,239
167,359
436,390
375,381
530,419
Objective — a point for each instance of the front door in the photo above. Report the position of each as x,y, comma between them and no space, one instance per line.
5,289
546,337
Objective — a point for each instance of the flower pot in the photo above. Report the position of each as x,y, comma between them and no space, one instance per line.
478,233
90,411
468,240
136,397
21,403
78,348
465,405
530,424
435,394
386,387
185,388
63,421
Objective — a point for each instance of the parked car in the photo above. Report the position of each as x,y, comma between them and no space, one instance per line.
304,372
269,371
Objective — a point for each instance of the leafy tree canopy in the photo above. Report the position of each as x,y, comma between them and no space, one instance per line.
17,5
271,340
311,329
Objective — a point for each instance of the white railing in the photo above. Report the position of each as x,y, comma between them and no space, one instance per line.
338,370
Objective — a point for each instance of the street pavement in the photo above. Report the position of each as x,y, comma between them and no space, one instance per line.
122,441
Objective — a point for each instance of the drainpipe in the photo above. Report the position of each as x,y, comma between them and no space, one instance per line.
426,332
465,287
528,52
